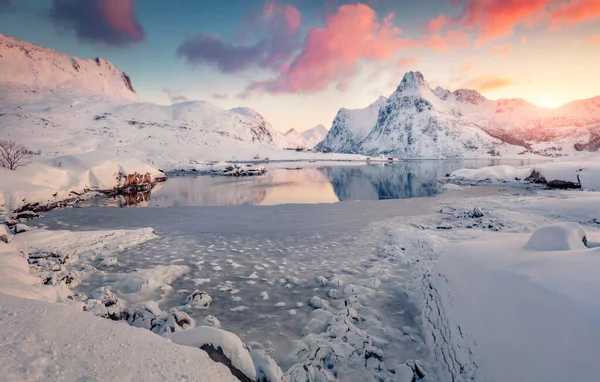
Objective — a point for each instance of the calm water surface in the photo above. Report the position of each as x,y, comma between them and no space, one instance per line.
306,184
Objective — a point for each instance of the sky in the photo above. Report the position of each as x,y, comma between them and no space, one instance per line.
297,62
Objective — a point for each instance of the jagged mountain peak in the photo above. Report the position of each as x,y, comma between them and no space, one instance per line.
291,131
413,81
469,96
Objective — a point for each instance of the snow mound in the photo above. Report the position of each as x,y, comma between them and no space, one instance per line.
558,237
496,173
66,344
137,286
230,344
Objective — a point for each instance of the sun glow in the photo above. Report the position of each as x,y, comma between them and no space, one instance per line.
548,103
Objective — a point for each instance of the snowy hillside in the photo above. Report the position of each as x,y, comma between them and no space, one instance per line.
420,122
350,127
315,135
30,71
292,139
64,105
150,132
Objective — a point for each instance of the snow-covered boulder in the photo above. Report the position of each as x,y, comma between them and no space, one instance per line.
172,322
104,303
222,346
143,317
266,368
20,228
199,300
5,233
558,237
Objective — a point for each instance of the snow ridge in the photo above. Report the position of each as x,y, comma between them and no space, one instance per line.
30,71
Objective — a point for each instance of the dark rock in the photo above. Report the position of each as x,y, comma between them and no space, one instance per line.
477,213
536,177
217,355
563,184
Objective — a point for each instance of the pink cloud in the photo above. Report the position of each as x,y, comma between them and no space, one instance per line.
577,11
293,17
492,19
332,53
120,14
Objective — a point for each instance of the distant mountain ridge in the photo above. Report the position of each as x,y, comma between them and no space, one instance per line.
29,71
419,122
61,104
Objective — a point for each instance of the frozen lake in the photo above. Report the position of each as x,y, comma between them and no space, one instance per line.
290,252
306,183
286,242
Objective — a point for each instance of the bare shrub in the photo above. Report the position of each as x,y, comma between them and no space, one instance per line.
14,155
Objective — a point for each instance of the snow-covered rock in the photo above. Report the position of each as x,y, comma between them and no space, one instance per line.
5,233
198,299
104,303
19,228
558,237
231,346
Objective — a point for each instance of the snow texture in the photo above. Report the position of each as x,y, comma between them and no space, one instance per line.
45,341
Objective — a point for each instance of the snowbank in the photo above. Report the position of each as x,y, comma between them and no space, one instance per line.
532,314
45,341
48,180
588,171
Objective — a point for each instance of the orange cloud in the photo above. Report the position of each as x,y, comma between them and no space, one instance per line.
499,18
499,50
332,53
487,82
594,40
405,62
576,11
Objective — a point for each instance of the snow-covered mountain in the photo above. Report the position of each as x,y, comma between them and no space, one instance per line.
315,135
350,127
62,105
31,71
292,139
419,122
416,123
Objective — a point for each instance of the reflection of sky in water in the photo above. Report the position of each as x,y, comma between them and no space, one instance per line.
313,184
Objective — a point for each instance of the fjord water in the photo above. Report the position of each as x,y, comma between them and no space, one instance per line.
308,183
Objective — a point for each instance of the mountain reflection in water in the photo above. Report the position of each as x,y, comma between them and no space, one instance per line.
316,184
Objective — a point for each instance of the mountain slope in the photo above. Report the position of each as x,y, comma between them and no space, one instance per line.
416,123
64,105
350,127
420,122
30,71
315,135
